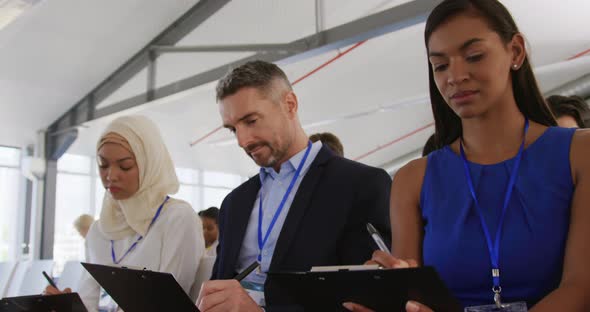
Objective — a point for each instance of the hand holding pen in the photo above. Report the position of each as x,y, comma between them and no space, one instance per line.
52,288
247,271
226,295
377,238
384,259
383,256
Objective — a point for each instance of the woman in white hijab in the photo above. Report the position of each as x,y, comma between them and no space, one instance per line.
140,225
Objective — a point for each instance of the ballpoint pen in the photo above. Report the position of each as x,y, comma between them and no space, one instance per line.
377,238
247,271
51,282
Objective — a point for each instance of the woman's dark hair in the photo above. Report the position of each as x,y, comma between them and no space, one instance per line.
429,146
526,91
573,106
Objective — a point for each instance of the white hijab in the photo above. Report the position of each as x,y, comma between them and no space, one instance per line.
157,178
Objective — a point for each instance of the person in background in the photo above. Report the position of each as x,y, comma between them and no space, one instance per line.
82,224
501,211
210,229
331,140
320,203
570,111
140,225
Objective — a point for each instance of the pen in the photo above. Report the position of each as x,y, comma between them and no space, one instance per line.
377,238
247,271
51,282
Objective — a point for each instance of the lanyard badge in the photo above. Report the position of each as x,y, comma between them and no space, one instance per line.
503,307
139,238
261,240
494,247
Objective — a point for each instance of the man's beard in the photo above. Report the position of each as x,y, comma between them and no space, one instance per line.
275,154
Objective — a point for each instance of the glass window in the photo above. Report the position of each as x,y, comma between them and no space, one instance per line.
98,197
9,194
9,156
213,197
190,194
214,178
72,200
187,176
74,163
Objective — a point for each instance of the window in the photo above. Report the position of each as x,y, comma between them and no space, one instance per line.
10,181
203,189
74,187
73,192
226,180
187,176
213,196
99,191
9,157
74,164
190,194
216,186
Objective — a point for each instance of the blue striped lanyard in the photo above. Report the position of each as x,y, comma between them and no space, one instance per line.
262,242
115,261
495,248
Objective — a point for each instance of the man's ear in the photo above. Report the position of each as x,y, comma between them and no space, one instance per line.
292,104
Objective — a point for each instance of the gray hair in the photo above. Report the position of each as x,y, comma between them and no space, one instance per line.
257,74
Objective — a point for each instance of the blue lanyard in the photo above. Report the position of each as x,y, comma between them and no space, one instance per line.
115,261
495,248
262,242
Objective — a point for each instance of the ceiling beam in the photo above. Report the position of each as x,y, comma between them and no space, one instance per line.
378,24
280,47
84,109
387,21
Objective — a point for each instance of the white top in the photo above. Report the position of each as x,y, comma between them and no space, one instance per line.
174,244
212,250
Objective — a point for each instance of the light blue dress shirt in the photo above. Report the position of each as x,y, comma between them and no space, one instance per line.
274,187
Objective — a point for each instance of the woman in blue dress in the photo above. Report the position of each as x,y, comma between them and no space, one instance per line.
502,210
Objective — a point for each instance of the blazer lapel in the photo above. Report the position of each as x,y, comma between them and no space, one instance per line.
300,204
238,223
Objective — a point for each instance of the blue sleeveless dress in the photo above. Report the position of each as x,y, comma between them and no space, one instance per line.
535,230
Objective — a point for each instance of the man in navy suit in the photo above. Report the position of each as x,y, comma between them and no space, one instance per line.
307,207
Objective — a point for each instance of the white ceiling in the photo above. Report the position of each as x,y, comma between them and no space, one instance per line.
60,49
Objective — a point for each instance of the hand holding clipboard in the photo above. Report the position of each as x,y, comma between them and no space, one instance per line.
384,259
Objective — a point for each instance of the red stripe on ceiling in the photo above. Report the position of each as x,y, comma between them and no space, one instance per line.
388,144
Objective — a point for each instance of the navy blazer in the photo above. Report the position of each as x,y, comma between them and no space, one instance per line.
326,224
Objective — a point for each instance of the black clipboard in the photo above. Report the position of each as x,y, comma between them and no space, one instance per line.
380,290
70,302
141,290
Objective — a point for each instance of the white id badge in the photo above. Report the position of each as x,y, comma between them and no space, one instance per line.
256,292
504,307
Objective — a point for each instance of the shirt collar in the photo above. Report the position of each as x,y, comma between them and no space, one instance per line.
288,166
